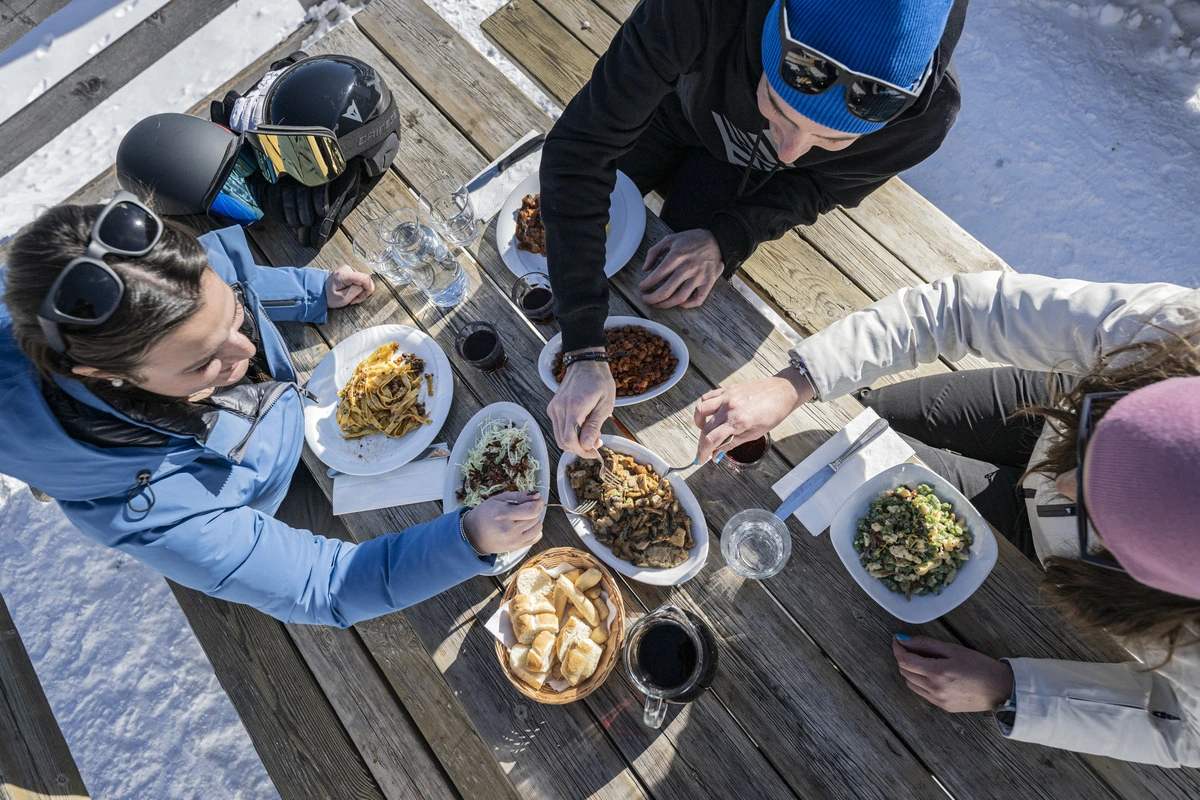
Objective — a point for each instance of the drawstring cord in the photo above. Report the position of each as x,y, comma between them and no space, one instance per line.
750,166
143,482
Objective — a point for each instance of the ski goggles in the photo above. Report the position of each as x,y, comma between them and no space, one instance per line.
88,291
315,156
811,72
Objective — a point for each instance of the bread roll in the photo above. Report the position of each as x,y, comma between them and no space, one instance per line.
592,593
560,601
517,656
528,626
599,636
574,630
534,679
534,581
588,579
524,604
581,661
572,576
577,598
541,652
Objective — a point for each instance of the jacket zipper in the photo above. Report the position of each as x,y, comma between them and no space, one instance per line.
274,303
1057,510
1159,714
239,451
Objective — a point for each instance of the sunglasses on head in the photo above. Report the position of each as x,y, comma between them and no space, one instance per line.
88,291
1086,428
811,72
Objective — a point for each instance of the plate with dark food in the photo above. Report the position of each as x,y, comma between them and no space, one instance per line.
521,239
648,359
501,449
647,528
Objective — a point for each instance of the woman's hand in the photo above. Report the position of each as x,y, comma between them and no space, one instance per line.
951,676
691,263
747,410
346,286
496,526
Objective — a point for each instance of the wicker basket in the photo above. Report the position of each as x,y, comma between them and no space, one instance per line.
616,629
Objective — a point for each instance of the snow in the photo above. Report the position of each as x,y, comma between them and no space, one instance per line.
1075,154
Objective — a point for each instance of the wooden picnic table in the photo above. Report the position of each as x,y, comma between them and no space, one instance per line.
807,701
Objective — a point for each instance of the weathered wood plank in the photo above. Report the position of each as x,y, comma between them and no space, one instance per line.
35,761
587,22
383,733
19,17
293,726
453,73
102,75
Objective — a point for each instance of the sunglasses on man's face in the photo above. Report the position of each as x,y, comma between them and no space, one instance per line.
88,291
811,72
1086,428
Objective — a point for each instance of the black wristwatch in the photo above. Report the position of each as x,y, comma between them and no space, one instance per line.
589,356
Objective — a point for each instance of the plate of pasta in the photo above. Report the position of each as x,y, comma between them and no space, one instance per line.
382,396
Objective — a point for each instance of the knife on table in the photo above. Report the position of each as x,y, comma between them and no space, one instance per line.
522,150
806,490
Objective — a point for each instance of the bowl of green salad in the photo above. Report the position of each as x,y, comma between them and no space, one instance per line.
913,542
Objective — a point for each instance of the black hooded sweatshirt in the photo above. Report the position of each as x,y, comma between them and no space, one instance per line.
708,53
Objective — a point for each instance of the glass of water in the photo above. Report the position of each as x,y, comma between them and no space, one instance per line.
371,249
446,205
756,543
434,269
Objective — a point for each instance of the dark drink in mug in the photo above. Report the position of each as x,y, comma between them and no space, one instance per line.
671,656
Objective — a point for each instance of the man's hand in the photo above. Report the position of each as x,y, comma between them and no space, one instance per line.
505,522
747,410
346,286
583,401
691,263
951,676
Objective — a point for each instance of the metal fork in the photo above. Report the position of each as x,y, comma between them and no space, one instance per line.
579,510
671,469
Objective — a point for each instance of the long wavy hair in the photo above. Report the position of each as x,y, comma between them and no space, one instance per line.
1093,598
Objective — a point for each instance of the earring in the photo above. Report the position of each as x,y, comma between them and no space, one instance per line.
117,383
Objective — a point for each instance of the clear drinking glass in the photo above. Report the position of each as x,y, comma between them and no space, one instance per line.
434,269
371,249
533,294
446,205
756,543
671,657
747,455
480,345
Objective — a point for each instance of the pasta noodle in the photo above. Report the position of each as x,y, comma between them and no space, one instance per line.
381,396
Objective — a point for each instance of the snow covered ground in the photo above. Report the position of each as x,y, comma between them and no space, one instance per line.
1076,154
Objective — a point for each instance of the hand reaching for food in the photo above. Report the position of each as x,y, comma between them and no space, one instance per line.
951,676
505,522
689,268
581,405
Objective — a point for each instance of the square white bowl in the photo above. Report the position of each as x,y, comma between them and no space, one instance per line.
920,608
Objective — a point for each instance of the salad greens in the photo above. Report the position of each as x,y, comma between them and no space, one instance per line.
912,541
500,461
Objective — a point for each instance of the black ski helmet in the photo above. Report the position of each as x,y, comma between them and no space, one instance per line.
180,160
341,94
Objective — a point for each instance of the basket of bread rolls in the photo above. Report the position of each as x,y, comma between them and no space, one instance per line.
568,619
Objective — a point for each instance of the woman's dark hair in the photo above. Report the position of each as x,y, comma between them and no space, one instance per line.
162,290
1094,598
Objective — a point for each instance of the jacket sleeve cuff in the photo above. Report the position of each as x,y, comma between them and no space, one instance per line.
583,328
733,240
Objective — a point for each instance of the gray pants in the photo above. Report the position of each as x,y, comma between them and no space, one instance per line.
961,425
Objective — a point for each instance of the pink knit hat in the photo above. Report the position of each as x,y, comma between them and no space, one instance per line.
1142,472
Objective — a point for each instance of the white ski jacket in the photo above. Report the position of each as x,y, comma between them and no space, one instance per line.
1039,323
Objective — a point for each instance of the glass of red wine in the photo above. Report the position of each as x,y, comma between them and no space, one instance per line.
671,657
533,295
479,345
747,455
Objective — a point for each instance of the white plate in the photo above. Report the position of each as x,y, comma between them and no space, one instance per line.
583,527
374,453
626,224
678,349
466,440
927,607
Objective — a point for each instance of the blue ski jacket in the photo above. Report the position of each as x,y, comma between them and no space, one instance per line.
195,501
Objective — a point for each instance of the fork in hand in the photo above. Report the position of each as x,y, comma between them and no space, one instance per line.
579,510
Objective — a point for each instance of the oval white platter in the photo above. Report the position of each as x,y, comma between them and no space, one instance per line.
466,440
583,527
626,224
678,349
374,453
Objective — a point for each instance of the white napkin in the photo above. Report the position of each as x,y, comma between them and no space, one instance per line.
412,483
887,450
500,625
488,198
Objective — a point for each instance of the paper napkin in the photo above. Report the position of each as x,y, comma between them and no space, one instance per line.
885,451
412,483
489,197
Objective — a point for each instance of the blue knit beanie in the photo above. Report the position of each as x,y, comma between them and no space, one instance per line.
892,40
